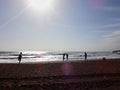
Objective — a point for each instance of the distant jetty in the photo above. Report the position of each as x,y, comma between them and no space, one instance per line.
116,51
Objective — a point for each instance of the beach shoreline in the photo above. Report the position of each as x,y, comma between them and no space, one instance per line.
73,73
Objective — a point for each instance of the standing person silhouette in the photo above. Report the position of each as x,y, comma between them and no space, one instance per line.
63,56
20,57
66,56
85,54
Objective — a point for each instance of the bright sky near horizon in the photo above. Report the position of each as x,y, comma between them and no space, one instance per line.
82,25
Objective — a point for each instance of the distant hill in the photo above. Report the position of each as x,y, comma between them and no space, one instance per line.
116,51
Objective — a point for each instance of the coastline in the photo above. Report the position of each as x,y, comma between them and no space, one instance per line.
60,67
63,73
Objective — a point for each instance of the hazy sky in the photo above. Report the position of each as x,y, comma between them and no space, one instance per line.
81,25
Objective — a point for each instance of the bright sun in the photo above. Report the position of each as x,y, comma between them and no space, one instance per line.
41,5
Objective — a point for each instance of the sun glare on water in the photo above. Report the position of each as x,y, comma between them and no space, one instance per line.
41,5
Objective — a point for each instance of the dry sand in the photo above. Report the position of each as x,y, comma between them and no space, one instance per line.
68,75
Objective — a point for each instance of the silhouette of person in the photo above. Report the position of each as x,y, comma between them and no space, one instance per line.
104,58
63,56
20,57
66,56
85,54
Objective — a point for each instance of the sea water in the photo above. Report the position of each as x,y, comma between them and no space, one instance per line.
48,56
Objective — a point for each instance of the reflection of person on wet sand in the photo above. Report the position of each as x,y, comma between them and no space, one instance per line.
20,57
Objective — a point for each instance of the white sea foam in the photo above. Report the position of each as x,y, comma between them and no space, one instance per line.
38,56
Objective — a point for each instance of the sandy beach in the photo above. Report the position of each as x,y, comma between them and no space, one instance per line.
69,75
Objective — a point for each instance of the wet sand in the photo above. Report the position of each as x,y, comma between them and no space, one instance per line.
68,75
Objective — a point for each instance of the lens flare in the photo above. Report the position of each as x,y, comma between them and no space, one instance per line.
67,68
97,3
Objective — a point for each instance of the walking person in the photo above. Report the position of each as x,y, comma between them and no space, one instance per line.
20,57
85,54
63,56
66,56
